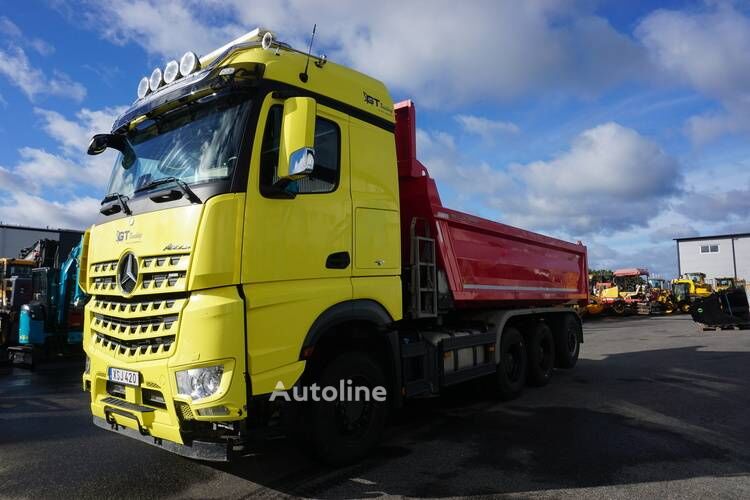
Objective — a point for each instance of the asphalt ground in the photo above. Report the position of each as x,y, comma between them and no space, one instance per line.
656,408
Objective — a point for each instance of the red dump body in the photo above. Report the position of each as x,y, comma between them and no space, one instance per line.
487,264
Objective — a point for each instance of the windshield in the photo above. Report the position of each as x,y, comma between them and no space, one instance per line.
681,291
196,143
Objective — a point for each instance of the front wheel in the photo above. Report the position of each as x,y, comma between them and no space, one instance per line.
344,430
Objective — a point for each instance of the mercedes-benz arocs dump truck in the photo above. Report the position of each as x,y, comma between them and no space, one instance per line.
268,227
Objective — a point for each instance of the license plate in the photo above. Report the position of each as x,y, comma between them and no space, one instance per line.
124,376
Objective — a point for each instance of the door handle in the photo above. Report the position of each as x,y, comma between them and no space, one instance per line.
338,260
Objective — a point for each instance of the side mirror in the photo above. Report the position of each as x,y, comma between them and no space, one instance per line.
296,153
100,142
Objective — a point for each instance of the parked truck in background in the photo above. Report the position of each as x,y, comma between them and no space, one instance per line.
52,322
268,225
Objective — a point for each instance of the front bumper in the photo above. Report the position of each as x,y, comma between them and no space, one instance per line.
201,450
211,331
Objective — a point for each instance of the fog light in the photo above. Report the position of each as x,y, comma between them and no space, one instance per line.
214,411
88,365
199,383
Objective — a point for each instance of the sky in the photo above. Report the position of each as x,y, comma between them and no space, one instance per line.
619,124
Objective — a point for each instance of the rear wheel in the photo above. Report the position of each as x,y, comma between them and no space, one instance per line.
511,370
541,352
568,342
344,430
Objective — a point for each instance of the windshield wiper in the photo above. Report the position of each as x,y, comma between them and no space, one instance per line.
114,203
171,180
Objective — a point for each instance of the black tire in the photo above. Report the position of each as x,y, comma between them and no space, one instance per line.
568,342
619,308
511,370
343,432
540,349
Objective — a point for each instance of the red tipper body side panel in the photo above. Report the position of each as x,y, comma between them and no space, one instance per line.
487,264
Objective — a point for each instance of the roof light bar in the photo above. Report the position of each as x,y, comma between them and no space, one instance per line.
190,62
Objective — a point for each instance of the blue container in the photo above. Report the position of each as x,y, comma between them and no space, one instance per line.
30,330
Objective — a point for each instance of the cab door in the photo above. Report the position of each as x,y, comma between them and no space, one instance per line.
297,241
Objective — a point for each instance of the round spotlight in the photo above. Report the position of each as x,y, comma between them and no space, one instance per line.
266,41
143,87
155,80
189,63
171,71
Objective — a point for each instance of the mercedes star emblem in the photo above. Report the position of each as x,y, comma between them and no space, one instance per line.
127,272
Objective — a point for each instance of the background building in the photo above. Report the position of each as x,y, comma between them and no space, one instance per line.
15,238
724,255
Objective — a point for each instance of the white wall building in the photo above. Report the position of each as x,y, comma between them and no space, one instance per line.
721,256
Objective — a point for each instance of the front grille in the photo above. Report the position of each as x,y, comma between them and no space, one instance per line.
148,324
156,274
156,345
143,325
137,328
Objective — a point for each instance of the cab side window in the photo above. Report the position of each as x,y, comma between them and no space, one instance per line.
325,174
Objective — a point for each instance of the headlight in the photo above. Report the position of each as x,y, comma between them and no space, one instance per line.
199,383
88,365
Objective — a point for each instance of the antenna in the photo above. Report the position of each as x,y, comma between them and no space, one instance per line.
303,75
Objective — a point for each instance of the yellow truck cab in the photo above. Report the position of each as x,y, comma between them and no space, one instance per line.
252,242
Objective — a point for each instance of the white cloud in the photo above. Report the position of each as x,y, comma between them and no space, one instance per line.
16,67
708,50
659,259
11,31
486,128
485,49
73,135
167,28
611,179
716,206
42,188
27,209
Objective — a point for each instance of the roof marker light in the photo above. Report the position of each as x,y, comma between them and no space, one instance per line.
171,71
156,79
143,87
189,63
